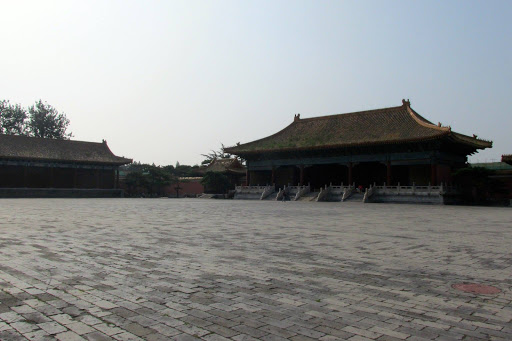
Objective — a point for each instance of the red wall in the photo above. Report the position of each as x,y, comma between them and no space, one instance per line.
190,188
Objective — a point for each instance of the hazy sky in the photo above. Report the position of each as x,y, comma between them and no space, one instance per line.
167,81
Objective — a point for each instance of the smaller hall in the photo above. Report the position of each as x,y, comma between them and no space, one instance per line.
390,146
40,167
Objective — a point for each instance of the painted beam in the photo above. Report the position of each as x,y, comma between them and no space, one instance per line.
413,158
54,164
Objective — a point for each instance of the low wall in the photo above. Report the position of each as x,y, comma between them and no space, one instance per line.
60,193
408,199
247,196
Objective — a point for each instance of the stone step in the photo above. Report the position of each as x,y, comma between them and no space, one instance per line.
356,197
309,197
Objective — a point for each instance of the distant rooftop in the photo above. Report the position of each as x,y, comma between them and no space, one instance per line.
15,147
230,165
492,165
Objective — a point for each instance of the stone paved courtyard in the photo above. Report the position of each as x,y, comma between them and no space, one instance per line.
162,269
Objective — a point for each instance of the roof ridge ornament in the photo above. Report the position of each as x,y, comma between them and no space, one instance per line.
296,118
406,103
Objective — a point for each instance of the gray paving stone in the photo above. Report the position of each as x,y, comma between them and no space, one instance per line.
217,270
69,336
96,336
52,327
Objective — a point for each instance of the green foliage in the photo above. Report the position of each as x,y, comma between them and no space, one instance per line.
214,182
41,120
148,179
135,181
12,119
187,171
475,185
158,178
45,121
213,155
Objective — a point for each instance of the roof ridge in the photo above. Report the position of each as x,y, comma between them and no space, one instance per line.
424,123
348,113
46,138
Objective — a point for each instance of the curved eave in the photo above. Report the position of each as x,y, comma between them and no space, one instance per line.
471,141
232,150
118,160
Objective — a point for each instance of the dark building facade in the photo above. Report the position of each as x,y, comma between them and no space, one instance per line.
31,166
390,145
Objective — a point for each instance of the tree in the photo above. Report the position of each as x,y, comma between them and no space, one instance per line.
476,185
12,118
45,121
215,182
135,181
158,178
215,154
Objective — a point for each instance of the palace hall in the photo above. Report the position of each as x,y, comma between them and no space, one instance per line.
382,146
40,167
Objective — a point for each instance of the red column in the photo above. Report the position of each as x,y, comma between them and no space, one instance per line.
25,176
301,181
97,178
74,177
247,178
350,173
273,175
433,174
52,178
117,178
388,174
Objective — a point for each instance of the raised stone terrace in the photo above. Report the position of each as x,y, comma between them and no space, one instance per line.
170,269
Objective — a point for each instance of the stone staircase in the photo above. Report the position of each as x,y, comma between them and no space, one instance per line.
309,196
355,197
